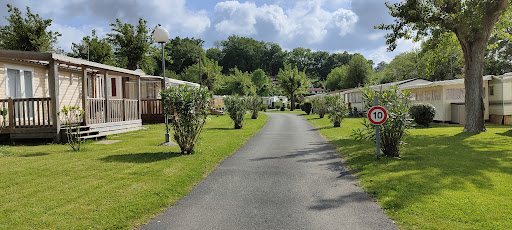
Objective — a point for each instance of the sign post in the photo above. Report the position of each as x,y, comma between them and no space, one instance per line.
377,115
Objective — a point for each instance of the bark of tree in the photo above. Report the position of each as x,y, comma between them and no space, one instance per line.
474,44
292,103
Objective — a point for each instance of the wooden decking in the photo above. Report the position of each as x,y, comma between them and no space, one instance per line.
31,118
152,111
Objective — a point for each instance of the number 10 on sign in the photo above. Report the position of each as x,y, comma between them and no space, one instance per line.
377,115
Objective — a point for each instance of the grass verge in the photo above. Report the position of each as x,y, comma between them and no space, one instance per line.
121,185
445,179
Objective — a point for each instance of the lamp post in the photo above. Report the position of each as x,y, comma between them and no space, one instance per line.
162,36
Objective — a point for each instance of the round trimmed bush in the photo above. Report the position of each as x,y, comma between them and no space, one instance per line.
423,114
307,107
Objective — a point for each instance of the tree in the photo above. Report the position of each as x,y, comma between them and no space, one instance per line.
274,58
359,71
472,21
93,49
213,54
188,107
27,34
237,108
405,65
183,52
338,109
261,82
443,57
238,83
131,43
210,73
292,81
244,53
336,79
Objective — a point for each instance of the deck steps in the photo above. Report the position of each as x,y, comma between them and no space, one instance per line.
98,131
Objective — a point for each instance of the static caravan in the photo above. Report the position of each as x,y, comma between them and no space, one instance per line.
500,99
448,98
35,86
354,99
150,87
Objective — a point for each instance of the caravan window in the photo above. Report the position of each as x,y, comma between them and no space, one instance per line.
19,82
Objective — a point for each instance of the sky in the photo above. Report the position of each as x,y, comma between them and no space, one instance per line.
321,25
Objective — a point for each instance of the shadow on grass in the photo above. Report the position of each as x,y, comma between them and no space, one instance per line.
506,134
429,165
34,155
219,129
141,157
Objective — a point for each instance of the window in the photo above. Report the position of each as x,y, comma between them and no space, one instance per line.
491,90
114,87
19,82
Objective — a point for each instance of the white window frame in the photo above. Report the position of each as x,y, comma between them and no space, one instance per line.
22,69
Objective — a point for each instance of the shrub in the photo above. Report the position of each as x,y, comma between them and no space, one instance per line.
278,105
72,118
394,130
282,108
3,113
188,108
264,108
320,105
337,109
297,106
237,108
254,104
307,107
423,114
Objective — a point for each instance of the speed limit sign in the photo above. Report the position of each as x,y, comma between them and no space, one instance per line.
377,115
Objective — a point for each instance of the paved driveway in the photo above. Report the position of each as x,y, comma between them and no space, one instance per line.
285,177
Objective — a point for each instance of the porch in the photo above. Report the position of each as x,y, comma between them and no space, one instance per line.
110,96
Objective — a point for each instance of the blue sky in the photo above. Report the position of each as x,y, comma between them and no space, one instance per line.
327,25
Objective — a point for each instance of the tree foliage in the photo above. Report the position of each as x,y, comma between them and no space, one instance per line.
188,107
183,52
292,81
472,21
394,130
131,43
27,34
237,108
338,109
337,78
320,104
254,104
93,49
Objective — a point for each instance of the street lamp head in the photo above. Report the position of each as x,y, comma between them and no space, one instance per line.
161,35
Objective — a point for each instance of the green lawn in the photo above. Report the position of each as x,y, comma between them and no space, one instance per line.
122,185
445,179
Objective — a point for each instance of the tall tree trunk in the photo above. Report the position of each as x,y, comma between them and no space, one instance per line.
473,42
473,82
292,103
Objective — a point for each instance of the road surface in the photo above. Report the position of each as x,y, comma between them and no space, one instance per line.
284,177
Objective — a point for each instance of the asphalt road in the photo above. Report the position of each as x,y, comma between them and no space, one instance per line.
285,177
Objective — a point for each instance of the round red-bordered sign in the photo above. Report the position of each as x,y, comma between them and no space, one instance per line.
377,115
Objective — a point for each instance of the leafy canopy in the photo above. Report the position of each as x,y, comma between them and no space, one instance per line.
94,49
131,42
27,34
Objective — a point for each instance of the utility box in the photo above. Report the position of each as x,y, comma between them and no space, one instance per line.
458,113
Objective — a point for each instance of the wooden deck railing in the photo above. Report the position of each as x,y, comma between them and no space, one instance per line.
26,113
96,110
152,111
152,107
119,110
131,109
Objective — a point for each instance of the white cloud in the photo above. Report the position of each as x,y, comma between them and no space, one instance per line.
381,53
306,21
